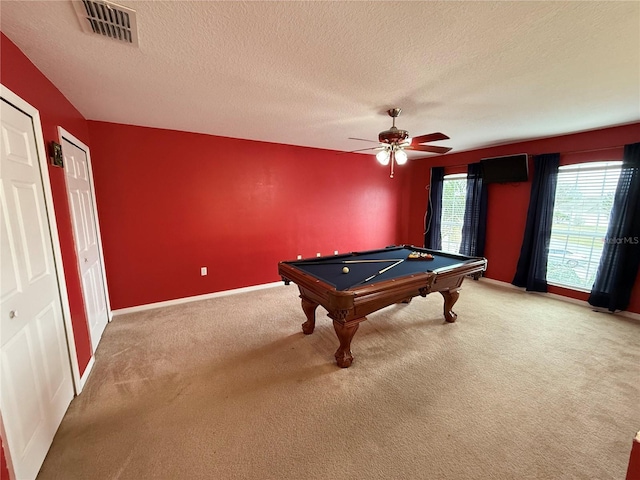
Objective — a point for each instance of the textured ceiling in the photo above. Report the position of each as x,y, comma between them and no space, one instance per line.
316,73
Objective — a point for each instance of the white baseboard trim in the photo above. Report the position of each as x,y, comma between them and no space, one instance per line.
635,316
499,283
178,301
86,373
206,296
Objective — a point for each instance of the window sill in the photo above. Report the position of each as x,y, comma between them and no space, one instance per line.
569,287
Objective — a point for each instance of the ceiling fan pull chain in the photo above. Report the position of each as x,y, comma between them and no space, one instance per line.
393,160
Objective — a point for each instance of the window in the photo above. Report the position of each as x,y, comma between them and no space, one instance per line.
584,197
454,192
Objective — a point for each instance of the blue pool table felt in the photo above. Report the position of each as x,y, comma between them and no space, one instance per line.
329,269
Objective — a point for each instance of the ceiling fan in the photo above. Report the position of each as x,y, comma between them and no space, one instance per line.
394,142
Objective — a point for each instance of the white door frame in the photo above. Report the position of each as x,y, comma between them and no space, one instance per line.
64,134
53,228
31,111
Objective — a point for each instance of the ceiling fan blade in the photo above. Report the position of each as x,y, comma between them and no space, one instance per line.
428,148
363,139
430,137
361,150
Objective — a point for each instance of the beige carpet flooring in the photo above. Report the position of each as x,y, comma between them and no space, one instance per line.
520,387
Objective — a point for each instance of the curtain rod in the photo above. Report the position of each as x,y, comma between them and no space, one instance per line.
593,149
561,153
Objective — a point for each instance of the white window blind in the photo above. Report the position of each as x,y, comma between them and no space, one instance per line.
584,197
454,192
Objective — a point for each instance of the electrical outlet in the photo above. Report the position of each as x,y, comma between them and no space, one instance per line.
203,271
299,257
335,252
318,254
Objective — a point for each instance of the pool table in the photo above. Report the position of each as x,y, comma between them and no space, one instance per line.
353,285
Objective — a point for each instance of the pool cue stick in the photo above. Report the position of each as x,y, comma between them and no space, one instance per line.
373,261
346,261
383,270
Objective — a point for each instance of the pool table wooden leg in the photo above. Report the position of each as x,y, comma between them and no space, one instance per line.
450,297
345,333
309,309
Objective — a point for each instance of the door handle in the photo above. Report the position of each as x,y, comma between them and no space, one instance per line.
13,314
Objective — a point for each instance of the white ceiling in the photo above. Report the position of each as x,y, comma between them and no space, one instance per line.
316,73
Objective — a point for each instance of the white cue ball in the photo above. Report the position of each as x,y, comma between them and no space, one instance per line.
345,269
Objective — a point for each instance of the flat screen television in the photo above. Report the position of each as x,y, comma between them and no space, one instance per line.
507,169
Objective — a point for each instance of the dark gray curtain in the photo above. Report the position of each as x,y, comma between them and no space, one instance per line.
432,221
474,227
621,253
531,271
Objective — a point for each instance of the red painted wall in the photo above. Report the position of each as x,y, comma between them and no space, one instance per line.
508,203
171,202
4,469
22,77
633,470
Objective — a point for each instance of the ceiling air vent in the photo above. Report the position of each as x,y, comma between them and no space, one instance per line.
108,20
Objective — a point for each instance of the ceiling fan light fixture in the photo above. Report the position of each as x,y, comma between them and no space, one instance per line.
383,157
394,141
